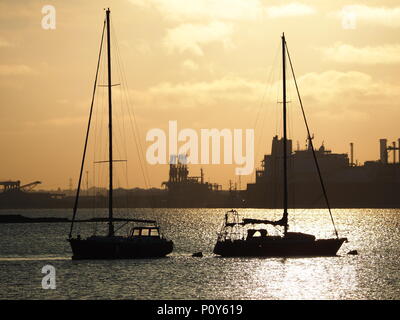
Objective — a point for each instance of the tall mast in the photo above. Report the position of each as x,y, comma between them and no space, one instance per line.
110,149
285,191
87,134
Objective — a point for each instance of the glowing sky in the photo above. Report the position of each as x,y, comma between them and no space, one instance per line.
204,63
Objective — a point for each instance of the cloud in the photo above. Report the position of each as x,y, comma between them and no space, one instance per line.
331,91
346,53
190,65
239,10
5,43
193,10
199,22
57,122
389,17
337,92
329,85
290,10
187,95
13,70
143,47
229,88
190,37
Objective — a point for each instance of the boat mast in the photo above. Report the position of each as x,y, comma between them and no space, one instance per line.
285,191
87,135
110,149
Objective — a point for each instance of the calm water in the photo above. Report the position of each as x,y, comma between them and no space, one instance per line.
373,274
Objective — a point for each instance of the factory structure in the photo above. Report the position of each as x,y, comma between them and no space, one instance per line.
189,191
348,184
384,151
373,184
13,194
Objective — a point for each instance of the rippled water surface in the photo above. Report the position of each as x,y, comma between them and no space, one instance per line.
372,274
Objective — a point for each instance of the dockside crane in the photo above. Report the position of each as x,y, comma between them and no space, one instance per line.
16,185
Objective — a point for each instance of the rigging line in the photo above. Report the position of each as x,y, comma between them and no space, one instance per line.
97,133
290,110
98,130
121,119
134,128
123,138
127,187
87,135
279,112
266,90
290,134
272,77
117,139
94,192
119,114
266,93
117,133
122,146
136,139
123,103
311,143
136,134
102,152
116,146
120,69
104,135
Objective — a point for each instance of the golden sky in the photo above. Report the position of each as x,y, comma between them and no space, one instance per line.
204,63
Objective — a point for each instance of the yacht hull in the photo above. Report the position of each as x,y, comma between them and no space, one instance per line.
110,248
281,247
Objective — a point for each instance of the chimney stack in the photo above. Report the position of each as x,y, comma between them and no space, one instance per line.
383,151
351,154
398,141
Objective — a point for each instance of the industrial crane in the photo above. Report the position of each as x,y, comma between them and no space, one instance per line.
16,185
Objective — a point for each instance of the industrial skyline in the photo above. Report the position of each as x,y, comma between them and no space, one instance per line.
207,65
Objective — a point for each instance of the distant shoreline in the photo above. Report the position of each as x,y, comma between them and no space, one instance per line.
17,218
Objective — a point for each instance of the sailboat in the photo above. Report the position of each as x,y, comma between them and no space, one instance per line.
144,239
236,239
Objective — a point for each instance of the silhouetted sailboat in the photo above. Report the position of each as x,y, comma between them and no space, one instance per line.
144,239
232,240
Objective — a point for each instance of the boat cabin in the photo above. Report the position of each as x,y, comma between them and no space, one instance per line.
145,232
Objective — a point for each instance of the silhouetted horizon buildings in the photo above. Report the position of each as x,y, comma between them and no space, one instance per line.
374,184
188,191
